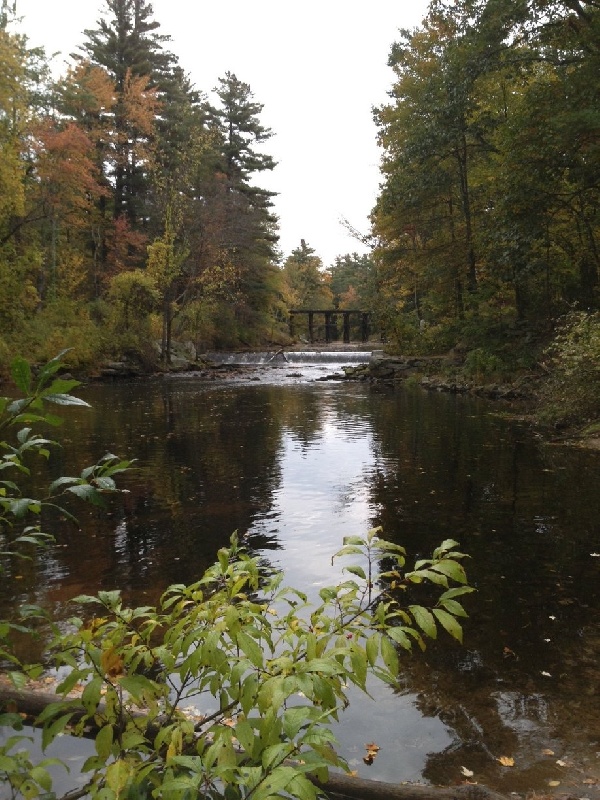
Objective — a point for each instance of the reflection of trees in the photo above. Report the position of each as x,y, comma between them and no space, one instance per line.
302,416
446,469
207,464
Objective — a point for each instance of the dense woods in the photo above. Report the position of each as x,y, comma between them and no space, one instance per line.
130,203
132,213
487,223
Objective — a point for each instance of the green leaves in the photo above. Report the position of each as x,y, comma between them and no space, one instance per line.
276,668
21,374
278,671
21,415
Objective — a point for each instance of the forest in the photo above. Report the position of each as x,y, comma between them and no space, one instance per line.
131,208
131,212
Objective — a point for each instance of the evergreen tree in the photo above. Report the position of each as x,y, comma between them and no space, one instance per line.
350,281
239,217
237,119
127,45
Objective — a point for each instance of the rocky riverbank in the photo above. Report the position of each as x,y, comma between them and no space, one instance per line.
437,374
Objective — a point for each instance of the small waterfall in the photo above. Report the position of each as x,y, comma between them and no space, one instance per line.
282,357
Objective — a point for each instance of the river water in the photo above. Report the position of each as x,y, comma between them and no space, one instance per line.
294,464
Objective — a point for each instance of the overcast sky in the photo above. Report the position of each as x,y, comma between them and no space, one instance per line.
317,66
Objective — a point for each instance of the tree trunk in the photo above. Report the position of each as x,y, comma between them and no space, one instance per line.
338,785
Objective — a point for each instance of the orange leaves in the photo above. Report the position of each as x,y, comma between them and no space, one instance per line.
68,177
88,92
140,103
372,751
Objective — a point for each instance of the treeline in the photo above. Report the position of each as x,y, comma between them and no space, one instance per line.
131,210
130,206
487,223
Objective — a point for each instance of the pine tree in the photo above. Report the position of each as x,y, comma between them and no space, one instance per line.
238,121
247,227
127,45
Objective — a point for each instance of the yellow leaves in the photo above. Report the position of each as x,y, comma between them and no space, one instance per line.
96,623
175,747
468,773
506,761
111,663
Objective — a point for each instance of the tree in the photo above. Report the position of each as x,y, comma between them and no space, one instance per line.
246,229
488,210
237,119
22,82
351,277
129,48
306,283
67,189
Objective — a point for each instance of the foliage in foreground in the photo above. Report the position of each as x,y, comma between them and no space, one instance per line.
230,686
21,532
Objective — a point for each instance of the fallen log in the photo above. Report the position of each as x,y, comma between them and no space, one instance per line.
346,786
30,705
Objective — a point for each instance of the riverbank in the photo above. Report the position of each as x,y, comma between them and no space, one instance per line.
444,373
439,374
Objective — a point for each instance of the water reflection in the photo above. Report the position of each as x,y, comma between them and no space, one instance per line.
295,468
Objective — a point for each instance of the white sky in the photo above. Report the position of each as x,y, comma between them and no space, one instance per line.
317,66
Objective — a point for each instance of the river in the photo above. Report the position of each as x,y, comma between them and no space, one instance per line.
294,464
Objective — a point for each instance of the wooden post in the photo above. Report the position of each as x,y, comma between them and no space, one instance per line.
346,327
328,327
365,326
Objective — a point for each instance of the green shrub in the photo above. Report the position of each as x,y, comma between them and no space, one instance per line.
480,364
571,394
60,325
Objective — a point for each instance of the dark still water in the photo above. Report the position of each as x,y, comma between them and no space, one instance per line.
295,468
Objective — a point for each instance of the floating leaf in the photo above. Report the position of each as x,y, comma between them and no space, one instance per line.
507,761
547,752
372,750
553,783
